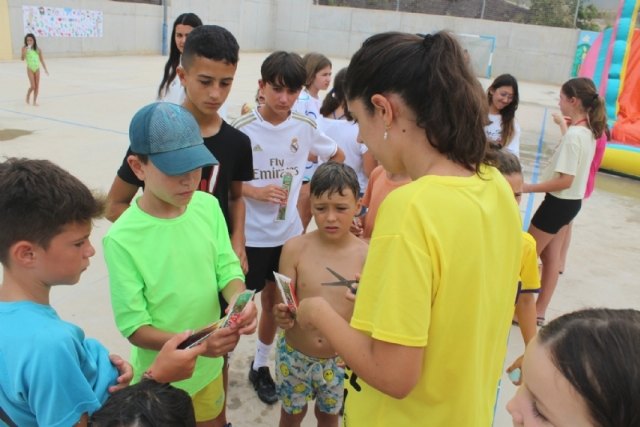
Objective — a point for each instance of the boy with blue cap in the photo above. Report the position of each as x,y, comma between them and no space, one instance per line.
169,254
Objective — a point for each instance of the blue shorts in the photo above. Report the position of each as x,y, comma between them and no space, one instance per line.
301,378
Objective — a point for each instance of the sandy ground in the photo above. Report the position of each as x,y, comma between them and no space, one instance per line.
82,121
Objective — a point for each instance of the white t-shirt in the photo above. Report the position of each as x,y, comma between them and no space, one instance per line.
278,150
308,106
573,157
174,93
345,133
494,133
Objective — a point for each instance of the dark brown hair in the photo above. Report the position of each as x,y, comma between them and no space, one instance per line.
284,69
146,404
430,75
210,42
333,177
508,113
336,98
37,199
596,350
585,91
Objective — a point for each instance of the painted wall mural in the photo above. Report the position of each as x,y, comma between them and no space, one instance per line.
62,21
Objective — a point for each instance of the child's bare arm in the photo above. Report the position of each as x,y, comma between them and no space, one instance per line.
560,120
338,156
287,266
173,364
149,337
237,211
561,182
119,198
83,422
42,61
526,312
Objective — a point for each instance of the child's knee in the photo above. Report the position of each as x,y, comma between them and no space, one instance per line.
293,418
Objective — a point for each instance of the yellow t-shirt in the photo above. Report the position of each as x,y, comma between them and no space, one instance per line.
529,273
573,156
430,280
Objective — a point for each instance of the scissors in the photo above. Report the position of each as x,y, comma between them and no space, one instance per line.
341,281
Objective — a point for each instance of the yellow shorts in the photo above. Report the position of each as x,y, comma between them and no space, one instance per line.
209,402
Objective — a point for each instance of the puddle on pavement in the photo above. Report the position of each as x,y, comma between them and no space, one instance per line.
9,134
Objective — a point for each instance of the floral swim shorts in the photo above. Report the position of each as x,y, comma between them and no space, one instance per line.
301,378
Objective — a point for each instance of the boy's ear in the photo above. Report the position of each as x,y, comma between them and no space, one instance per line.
382,104
23,254
136,166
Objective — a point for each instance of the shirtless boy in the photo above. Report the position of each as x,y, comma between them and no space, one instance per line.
306,365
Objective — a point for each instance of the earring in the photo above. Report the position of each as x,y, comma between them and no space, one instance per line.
384,136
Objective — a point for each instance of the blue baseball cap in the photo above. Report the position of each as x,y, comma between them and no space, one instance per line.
170,136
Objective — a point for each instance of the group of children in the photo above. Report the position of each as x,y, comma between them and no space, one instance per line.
426,337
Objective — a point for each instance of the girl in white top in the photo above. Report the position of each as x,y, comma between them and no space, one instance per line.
318,69
503,99
564,180
171,89
339,126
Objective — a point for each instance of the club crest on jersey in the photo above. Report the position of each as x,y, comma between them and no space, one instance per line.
257,148
294,145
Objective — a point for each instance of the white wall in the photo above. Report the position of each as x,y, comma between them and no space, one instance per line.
531,53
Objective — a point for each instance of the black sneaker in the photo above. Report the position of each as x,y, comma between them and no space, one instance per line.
263,384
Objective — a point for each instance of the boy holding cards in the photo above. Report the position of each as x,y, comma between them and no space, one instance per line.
306,365
169,255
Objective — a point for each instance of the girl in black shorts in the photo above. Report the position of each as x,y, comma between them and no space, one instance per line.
565,180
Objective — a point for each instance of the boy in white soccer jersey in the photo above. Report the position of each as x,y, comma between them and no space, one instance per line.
281,142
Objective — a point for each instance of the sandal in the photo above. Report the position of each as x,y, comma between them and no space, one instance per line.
540,321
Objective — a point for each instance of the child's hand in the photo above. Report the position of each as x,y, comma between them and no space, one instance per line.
272,194
124,369
222,341
240,251
172,364
308,309
557,118
356,227
246,323
517,364
283,315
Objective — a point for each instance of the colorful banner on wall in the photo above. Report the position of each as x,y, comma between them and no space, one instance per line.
585,40
62,21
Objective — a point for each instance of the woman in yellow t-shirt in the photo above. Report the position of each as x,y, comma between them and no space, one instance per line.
428,334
